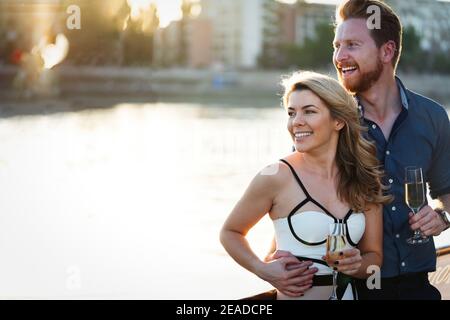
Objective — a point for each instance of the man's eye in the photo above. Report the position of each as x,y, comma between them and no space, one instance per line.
309,111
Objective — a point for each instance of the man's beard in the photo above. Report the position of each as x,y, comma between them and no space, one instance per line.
366,81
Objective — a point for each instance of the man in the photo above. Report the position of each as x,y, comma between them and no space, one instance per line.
409,130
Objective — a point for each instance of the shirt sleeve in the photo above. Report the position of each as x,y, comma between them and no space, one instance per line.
439,175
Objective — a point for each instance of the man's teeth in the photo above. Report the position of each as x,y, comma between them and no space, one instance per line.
346,69
302,134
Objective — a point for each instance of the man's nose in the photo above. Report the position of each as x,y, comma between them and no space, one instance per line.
340,54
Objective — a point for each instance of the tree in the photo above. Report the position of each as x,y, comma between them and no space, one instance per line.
412,52
315,52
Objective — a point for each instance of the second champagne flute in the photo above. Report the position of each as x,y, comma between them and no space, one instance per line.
415,198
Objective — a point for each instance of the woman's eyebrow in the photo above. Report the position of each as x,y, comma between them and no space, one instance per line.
304,107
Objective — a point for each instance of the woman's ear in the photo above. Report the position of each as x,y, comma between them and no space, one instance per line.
339,124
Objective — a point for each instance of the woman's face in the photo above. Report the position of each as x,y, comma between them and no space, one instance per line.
310,123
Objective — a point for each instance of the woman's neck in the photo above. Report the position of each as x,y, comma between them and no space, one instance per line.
321,165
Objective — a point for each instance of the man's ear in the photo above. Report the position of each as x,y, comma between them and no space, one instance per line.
388,51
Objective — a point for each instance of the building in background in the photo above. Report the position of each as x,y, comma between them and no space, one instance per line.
430,19
308,16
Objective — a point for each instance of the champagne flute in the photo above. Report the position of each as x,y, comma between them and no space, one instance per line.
336,243
415,198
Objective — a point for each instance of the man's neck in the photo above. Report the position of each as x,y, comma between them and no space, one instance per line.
382,100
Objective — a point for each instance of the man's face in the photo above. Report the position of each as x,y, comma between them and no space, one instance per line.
356,56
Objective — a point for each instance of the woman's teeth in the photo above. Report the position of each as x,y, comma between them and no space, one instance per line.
302,134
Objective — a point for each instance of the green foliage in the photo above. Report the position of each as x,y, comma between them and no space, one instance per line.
314,53
412,52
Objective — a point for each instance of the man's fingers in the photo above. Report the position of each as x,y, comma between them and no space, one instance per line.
281,254
289,260
301,272
415,218
301,281
428,226
423,221
291,294
292,263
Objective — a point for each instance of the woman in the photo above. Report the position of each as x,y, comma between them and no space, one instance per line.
332,176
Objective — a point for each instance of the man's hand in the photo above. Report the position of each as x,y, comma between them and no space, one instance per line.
287,274
428,221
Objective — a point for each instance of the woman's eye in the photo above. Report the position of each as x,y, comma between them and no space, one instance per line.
309,112
291,114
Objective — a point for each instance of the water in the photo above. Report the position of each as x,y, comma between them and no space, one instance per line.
128,202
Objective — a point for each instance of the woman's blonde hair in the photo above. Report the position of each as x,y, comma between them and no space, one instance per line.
359,180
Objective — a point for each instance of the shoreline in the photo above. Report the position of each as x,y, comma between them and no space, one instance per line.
75,89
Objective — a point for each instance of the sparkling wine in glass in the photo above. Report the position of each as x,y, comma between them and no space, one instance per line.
336,243
415,198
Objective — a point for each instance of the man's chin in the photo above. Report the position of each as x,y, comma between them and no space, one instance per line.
349,85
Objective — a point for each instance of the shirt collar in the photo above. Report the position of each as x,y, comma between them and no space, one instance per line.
403,97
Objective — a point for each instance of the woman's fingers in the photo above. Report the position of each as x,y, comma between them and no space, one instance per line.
348,261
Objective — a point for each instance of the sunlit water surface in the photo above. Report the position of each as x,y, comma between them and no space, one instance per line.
128,202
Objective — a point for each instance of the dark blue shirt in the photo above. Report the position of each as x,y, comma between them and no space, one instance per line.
420,137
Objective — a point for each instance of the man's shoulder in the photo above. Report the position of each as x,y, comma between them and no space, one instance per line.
425,104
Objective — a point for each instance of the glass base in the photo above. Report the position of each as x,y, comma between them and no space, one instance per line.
417,240
333,298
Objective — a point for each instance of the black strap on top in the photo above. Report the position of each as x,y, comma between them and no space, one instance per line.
306,200
308,196
298,179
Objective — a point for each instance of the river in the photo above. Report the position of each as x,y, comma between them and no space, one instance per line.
127,202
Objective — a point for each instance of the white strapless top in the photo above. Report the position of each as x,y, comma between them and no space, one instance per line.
304,234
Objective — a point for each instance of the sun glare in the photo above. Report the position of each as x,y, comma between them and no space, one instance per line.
168,10
53,54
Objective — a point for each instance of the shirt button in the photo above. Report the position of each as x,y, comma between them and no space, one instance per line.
388,152
391,181
374,126
397,236
403,264
394,208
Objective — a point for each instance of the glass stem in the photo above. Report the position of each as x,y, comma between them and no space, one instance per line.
417,233
334,295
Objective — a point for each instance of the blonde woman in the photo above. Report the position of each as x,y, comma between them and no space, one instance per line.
333,176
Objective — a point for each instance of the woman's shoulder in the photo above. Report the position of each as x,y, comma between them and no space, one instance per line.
275,174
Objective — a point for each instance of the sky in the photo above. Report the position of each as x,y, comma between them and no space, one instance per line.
169,10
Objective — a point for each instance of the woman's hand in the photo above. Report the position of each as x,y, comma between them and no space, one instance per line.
348,263
287,274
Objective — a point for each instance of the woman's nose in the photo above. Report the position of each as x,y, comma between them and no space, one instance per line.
299,120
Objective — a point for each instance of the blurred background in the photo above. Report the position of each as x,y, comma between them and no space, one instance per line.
130,128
